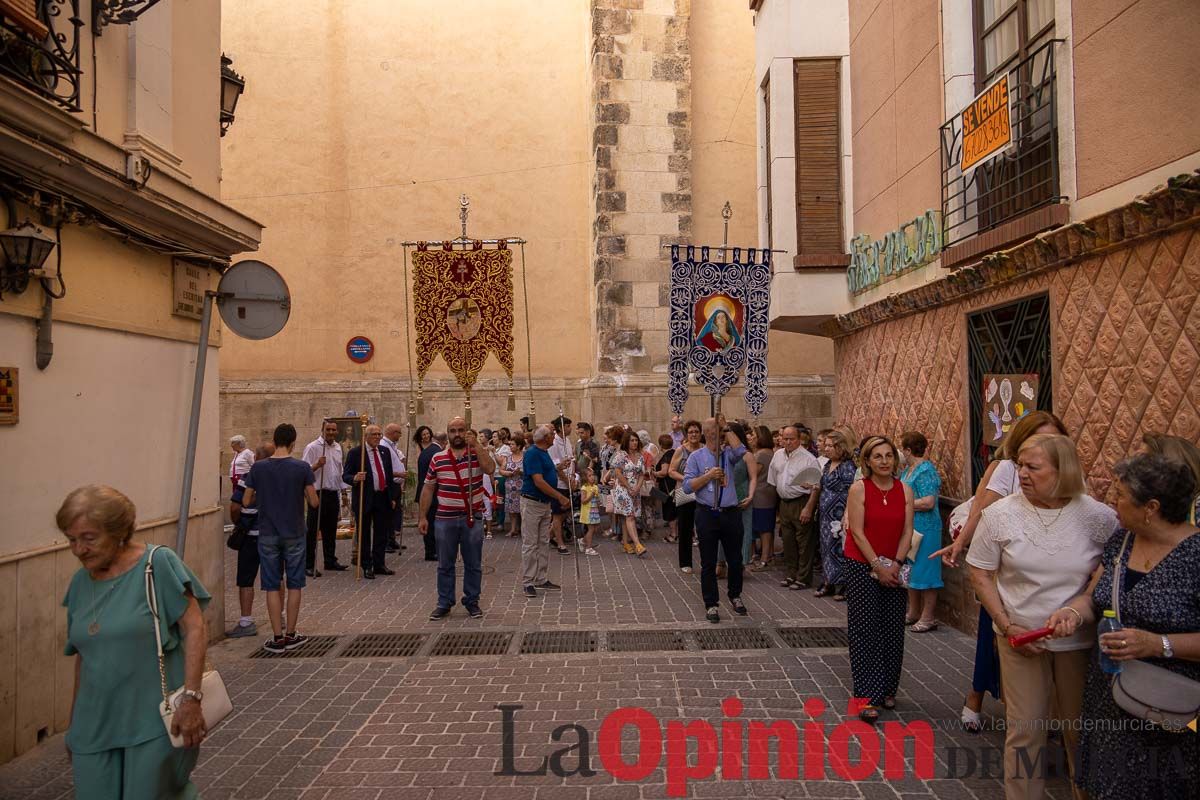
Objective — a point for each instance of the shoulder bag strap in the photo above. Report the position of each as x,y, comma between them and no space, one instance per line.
1116,576
152,601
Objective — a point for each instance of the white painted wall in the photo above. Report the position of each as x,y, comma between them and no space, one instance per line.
111,408
786,30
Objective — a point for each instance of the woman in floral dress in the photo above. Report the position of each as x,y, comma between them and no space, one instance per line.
630,473
836,481
513,472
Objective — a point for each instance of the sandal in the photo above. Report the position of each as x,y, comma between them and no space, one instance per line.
889,703
924,627
671,540
869,714
908,621
824,590
787,582
839,597
640,550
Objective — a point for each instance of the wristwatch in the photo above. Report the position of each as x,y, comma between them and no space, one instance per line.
1167,651
195,695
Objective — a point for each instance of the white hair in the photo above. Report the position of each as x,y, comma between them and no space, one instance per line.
238,439
543,433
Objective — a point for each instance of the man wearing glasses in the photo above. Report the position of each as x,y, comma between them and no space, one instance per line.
709,476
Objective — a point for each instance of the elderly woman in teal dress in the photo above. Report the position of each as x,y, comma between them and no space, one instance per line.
117,742
926,576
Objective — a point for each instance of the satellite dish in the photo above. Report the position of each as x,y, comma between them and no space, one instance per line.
254,300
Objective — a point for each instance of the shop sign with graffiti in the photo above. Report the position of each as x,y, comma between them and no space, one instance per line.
912,245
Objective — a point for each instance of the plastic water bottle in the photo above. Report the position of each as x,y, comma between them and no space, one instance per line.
1109,624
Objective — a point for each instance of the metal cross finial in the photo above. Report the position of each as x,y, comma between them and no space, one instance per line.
727,214
465,208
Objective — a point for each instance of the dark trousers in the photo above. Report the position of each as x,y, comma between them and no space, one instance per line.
722,528
397,522
875,628
686,522
331,502
431,550
800,543
374,530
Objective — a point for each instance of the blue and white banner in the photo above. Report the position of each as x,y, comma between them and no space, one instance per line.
720,313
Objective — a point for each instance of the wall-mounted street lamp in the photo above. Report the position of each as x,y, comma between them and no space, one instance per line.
25,248
232,86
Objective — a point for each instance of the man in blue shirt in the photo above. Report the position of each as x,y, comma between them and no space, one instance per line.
709,475
540,487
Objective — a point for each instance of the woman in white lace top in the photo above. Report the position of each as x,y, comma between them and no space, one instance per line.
1033,552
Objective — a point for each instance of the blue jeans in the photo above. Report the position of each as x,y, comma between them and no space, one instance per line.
278,557
453,535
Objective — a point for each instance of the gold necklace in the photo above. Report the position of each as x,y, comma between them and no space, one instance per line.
94,627
889,491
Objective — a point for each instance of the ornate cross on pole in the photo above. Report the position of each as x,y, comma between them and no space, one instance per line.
726,214
464,208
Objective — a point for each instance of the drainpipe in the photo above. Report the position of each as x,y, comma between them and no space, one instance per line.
45,344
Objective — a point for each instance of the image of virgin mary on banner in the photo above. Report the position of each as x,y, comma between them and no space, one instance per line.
720,313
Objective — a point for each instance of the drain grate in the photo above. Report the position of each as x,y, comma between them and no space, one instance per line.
472,643
544,642
733,639
814,637
645,641
315,647
385,645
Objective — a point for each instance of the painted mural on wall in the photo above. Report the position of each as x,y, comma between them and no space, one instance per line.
720,313
1006,398
912,245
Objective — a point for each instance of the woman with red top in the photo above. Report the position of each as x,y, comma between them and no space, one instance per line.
880,511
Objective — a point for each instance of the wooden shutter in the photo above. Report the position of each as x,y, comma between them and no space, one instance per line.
24,15
770,166
818,156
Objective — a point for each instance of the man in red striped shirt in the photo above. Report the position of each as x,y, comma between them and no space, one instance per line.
456,477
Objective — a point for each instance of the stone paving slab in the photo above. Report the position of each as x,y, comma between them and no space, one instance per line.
333,728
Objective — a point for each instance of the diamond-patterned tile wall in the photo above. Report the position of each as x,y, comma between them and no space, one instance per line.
1126,347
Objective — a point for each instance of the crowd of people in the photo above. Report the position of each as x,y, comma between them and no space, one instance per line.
854,520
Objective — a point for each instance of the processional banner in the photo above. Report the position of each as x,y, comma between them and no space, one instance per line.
463,304
720,314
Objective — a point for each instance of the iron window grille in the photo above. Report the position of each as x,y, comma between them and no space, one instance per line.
49,65
1023,178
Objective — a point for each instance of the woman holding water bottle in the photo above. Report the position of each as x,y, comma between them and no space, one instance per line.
1033,552
1159,621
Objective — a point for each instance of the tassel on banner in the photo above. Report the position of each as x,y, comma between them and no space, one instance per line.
467,410
512,397
532,417
412,414
420,400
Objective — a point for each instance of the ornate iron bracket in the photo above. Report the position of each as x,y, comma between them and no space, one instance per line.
118,12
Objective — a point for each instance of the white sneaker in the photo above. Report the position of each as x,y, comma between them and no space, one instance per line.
686,570
591,551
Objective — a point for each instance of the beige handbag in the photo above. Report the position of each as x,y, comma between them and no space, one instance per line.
1149,692
214,703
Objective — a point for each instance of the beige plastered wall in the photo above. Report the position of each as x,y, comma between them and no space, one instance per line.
896,110
1137,88
361,125
112,406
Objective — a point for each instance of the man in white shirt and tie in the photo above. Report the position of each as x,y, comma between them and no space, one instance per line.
797,505
391,440
324,455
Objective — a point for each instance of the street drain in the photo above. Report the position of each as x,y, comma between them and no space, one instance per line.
315,647
547,642
385,645
733,639
814,637
645,641
472,643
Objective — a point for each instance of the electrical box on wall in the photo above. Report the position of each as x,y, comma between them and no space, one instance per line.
137,168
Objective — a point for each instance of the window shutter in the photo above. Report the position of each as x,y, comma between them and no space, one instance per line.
818,156
24,15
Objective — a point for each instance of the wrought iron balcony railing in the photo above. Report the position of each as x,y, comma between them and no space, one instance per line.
46,64
1022,178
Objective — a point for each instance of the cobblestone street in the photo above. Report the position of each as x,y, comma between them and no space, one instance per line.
427,727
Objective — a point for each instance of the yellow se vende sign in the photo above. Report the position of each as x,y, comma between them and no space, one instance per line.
987,124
